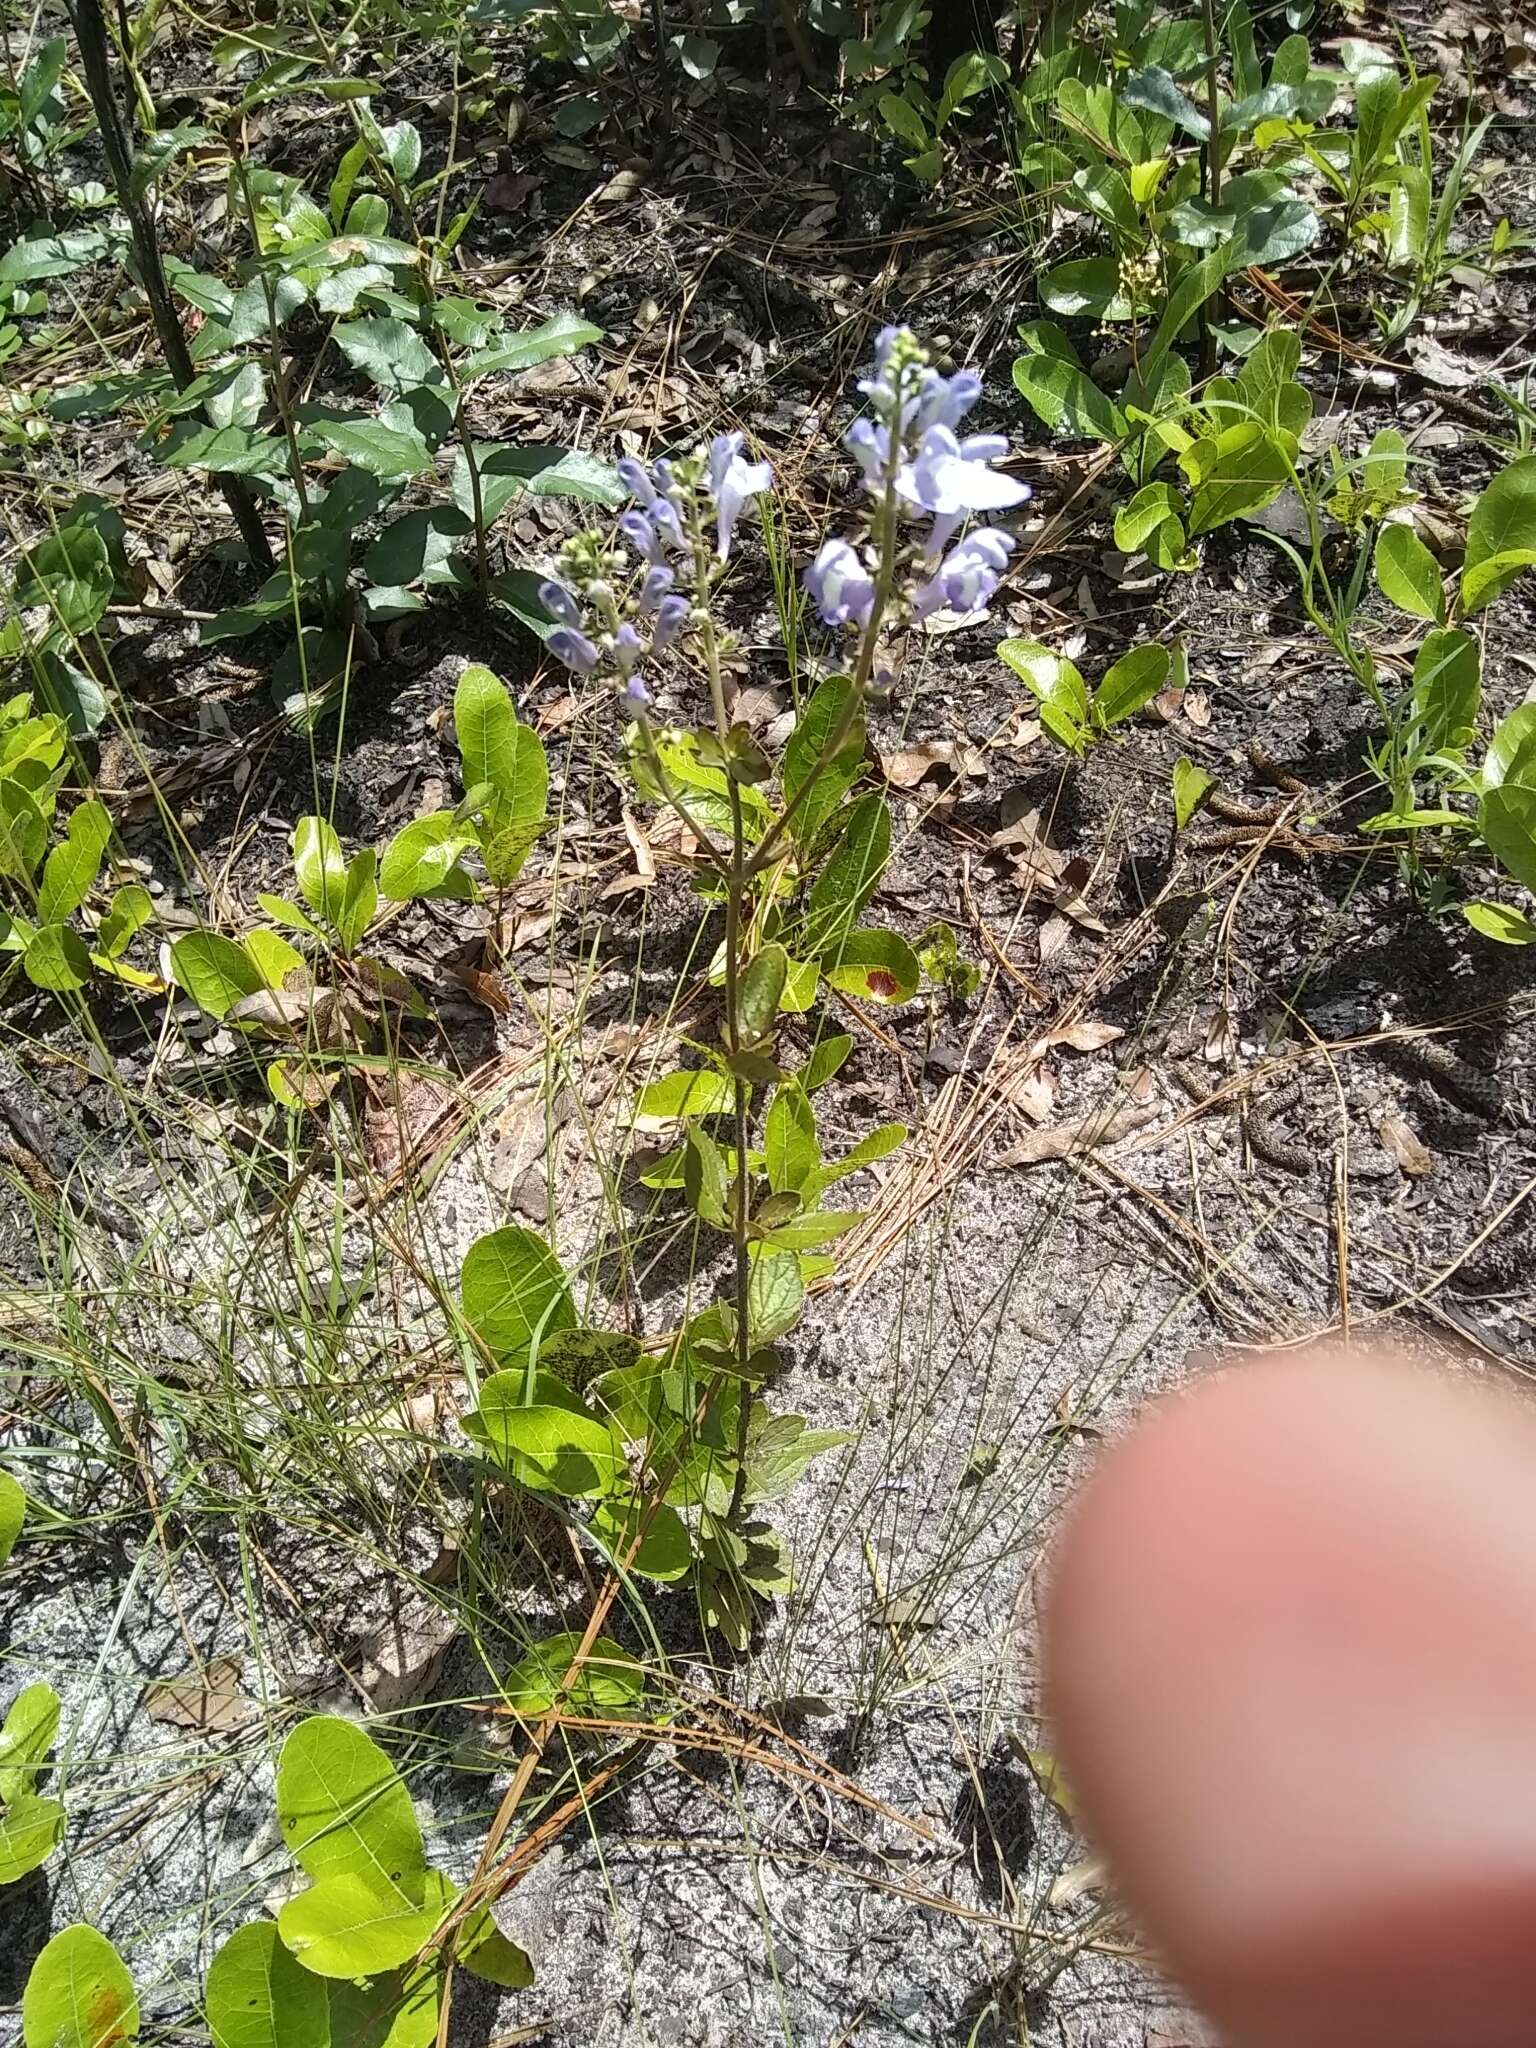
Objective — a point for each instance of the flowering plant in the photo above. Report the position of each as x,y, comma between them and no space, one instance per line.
793,850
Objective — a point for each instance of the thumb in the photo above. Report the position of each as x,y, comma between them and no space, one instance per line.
1291,1650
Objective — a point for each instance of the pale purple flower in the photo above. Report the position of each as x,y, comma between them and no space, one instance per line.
945,401
967,578
841,588
953,479
641,535
671,616
627,648
574,649
732,481
871,448
560,604
657,583
636,696
663,516
636,480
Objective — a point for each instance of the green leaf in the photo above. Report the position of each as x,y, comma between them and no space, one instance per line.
826,1060
507,472
704,1176
812,735
698,1091
23,830
320,867
391,355
775,1293
227,451
159,151
30,1731
1506,817
1407,574
758,992
1134,680
875,965
395,2009
420,547
805,1233
550,1444
1088,288
1501,535
272,957
71,573
258,1996
1447,689
343,1808
1511,755
359,898
70,871
130,910
790,1148
486,1953
1067,399
214,971
13,1515
496,749
518,590
79,1995
56,958
30,1830
782,1449
1237,473
1500,921
1191,786
1057,684
609,1681
1157,92
561,336
423,859
1153,521
52,255
880,1143
665,1552
849,877
514,1291
350,1925
391,447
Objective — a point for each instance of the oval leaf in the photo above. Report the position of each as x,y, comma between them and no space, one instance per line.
79,1995
342,1806
514,1290
258,1995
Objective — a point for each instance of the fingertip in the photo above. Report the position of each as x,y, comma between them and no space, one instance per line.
1291,1655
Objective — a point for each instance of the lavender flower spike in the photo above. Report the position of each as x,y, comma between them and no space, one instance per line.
732,481
671,617
642,536
653,589
560,604
636,696
635,479
841,588
574,649
627,648
968,577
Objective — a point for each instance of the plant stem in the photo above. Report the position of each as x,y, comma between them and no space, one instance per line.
275,369
91,33
1212,170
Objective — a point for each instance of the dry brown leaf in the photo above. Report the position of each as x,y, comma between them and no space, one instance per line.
1140,1085
1087,1134
1197,708
401,1659
1409,1150
1088,1034
906,768
639,846
209,1701
1035,1095
1070,900
1054,934
488,990
1220,1040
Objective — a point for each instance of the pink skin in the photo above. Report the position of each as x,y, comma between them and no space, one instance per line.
1291,1656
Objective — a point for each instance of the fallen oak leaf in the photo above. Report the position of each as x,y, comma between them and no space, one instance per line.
209,1701
1088,1134
1405,1146
907,767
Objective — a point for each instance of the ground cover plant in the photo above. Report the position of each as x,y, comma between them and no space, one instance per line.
745,753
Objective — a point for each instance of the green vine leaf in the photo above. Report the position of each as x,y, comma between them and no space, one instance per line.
79,1995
